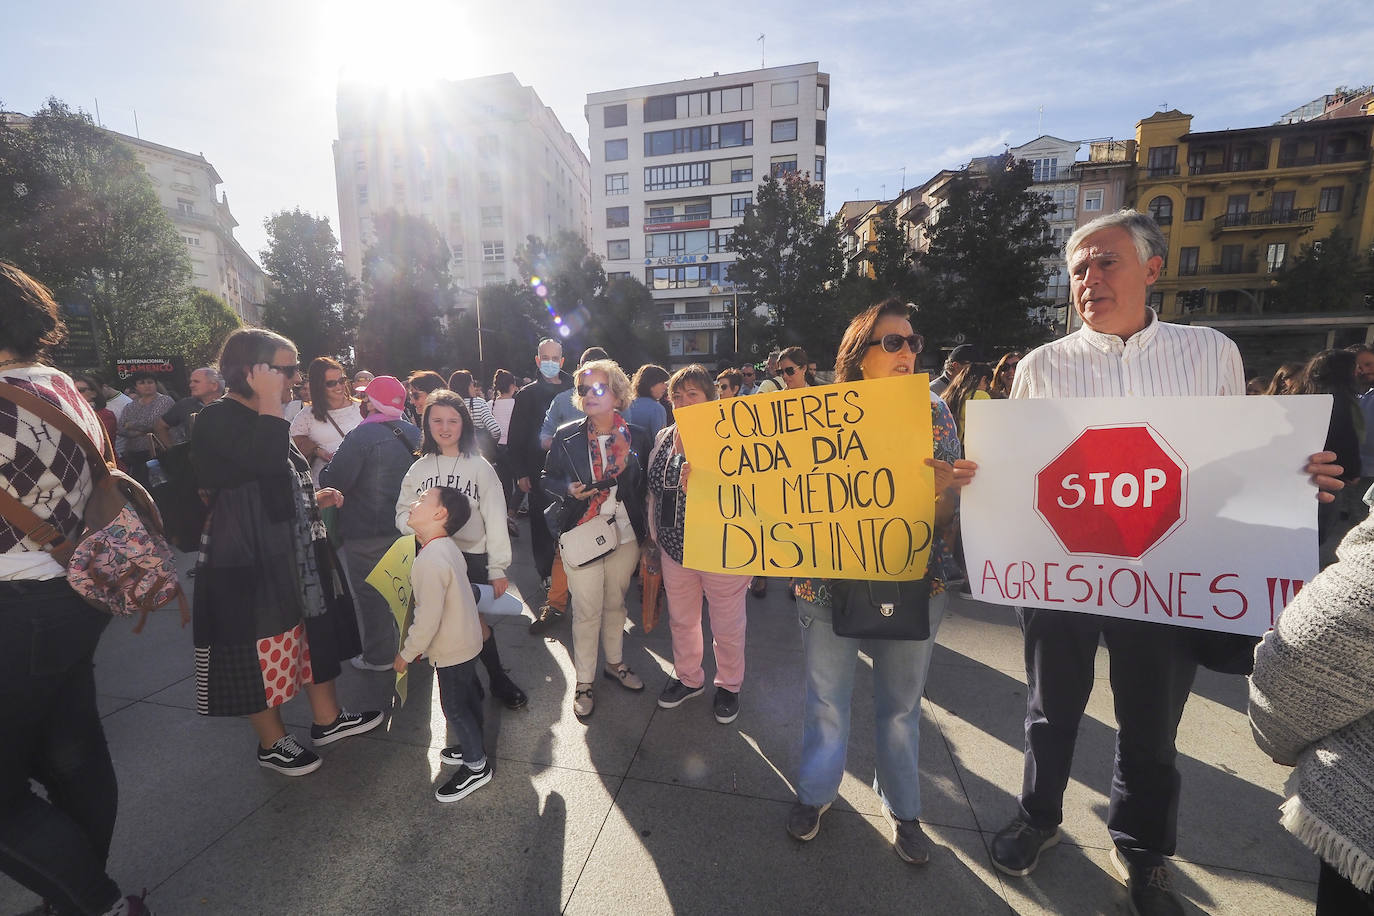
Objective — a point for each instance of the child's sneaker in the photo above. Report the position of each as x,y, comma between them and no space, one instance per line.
348,723
287,756
452,756
464,783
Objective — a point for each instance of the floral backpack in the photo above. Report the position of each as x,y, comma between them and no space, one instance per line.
119,559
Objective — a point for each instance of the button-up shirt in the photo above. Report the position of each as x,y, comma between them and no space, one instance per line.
1162,359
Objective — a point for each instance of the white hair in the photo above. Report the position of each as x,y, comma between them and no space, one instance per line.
1145,234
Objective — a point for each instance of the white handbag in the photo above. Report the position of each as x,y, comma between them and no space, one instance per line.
589,541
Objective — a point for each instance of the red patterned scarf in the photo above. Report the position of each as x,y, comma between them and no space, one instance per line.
618,452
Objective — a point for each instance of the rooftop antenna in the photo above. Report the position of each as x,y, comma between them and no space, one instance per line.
1040,124
763,45
97,114
903,180
136,133
883,195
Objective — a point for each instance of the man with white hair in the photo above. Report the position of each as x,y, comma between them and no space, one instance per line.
1122,350
174,427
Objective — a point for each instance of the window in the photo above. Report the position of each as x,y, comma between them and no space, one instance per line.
690,277
820,168
617,150
1193,209
660,108
660,214
822,97
697,210
192,240
613,275
694,139
456,250
1046,169
491,217
1232,257
687,175
494,251
619,183
362,194
1197,162
1330,200
1281,203
820,133
186,206
740,203
784,130
784,93
491,182
1156,301
618,249
718,240
1162,160
1092,201
617,217
1162,209
696,104
1065,202
1275,256
781,165
738,175
1187,261
613,116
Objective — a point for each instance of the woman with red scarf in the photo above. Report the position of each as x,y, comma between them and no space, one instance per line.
596,467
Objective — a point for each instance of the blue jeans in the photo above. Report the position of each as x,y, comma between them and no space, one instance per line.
460,697
50,732
899,680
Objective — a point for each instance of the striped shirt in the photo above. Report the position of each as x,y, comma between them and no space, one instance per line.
1160,360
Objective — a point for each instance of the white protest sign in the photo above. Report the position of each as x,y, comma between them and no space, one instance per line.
1189,512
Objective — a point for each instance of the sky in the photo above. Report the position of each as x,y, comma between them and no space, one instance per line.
915,86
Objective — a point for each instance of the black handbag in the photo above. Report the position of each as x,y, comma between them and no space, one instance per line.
1226,653
881,610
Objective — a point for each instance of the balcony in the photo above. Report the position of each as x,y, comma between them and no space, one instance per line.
1046,175
1295,162
1264,219
1216,168
675,222
201,219
1162,171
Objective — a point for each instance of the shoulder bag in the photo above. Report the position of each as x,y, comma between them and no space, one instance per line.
881,610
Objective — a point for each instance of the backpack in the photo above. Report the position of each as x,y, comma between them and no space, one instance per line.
119,561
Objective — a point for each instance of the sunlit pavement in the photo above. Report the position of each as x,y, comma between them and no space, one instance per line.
641,810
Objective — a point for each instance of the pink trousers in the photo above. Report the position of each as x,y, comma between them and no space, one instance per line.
725,595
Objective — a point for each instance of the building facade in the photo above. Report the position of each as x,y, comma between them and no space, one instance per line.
484,160
675,165
1051,161
1237,207
1103,180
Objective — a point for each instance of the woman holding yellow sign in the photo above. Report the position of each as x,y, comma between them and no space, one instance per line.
879,343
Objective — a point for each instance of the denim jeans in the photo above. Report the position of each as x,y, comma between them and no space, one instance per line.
460,697
899,680
50,732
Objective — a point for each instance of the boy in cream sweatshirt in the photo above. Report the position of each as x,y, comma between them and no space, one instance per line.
446,630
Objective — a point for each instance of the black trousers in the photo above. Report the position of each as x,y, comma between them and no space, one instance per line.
1338,897
1151,671
542,542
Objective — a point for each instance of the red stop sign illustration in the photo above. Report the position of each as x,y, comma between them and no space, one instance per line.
1115,491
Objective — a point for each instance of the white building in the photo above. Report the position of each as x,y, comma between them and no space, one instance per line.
1052,169
674,166
484,160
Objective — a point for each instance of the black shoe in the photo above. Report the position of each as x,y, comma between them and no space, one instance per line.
1150,887
758,586
548,616
725,706
452,756
504,689
1016,848
287,756
464,783
804,821
348,723
675,693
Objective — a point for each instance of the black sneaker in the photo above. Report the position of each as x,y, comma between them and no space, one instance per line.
348,723
1149,885
548,616
908,839
287,756
804,821
675,693
504,689
452,756
725,706
464,783
1016,848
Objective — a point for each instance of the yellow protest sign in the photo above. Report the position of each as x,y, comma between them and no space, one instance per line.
829,481
391,577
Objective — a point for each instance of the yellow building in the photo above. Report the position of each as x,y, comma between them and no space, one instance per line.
1237,206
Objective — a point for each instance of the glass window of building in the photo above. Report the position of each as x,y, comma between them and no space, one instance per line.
1092,200
820,168
491,217
1194,208
618,249
784,93
617,217
618,183
617,149
613,116
494,250
1187,261
785,130
1162,209
1275,256
739,203
1330,200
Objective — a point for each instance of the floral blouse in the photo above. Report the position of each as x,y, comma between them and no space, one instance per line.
942,565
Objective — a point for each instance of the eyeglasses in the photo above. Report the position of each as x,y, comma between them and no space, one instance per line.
788,370
335,382
1010,367
893,342
288,371
749,374
596,388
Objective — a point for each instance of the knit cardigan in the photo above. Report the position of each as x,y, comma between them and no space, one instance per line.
1312,705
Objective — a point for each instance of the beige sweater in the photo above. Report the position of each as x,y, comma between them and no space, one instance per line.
445,629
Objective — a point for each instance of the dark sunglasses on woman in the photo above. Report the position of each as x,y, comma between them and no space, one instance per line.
893,342
597,389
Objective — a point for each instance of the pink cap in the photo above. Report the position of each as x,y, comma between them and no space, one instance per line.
387,395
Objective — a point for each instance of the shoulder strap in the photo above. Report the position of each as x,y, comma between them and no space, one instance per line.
96,455
330,417
39,530
399,433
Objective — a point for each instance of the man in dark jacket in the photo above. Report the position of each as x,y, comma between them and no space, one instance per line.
527,459
367,469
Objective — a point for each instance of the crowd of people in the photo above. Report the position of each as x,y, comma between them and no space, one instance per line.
309,477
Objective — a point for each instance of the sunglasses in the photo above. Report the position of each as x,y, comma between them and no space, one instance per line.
288,371
788,370
893,342
335,383
597,389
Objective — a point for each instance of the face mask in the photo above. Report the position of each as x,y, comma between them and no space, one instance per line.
548,368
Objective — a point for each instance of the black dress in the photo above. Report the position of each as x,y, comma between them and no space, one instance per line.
272,612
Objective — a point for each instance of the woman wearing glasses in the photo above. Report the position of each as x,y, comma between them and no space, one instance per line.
270,617
792,371
333,412
1004,375
595,467
879,343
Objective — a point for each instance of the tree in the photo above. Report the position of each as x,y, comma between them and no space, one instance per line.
984,269
311,299
513,321
78,212
891,257
788,258
1328,276
408,289
214,320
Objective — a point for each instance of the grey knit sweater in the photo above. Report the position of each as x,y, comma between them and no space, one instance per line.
1312,705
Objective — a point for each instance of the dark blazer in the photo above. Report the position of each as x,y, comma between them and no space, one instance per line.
569,461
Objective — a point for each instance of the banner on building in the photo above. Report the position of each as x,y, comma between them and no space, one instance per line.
169,370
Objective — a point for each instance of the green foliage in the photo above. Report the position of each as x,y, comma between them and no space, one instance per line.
1328,276
78,212
788,258
408,288
213,320
984,268
891,259
513,321
311,300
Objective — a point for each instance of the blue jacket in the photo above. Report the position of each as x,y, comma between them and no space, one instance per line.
561,410
367,469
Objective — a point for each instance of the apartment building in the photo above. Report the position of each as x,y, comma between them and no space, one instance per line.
484,160
1103,179
674,167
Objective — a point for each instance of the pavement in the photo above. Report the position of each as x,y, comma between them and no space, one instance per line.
648,811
